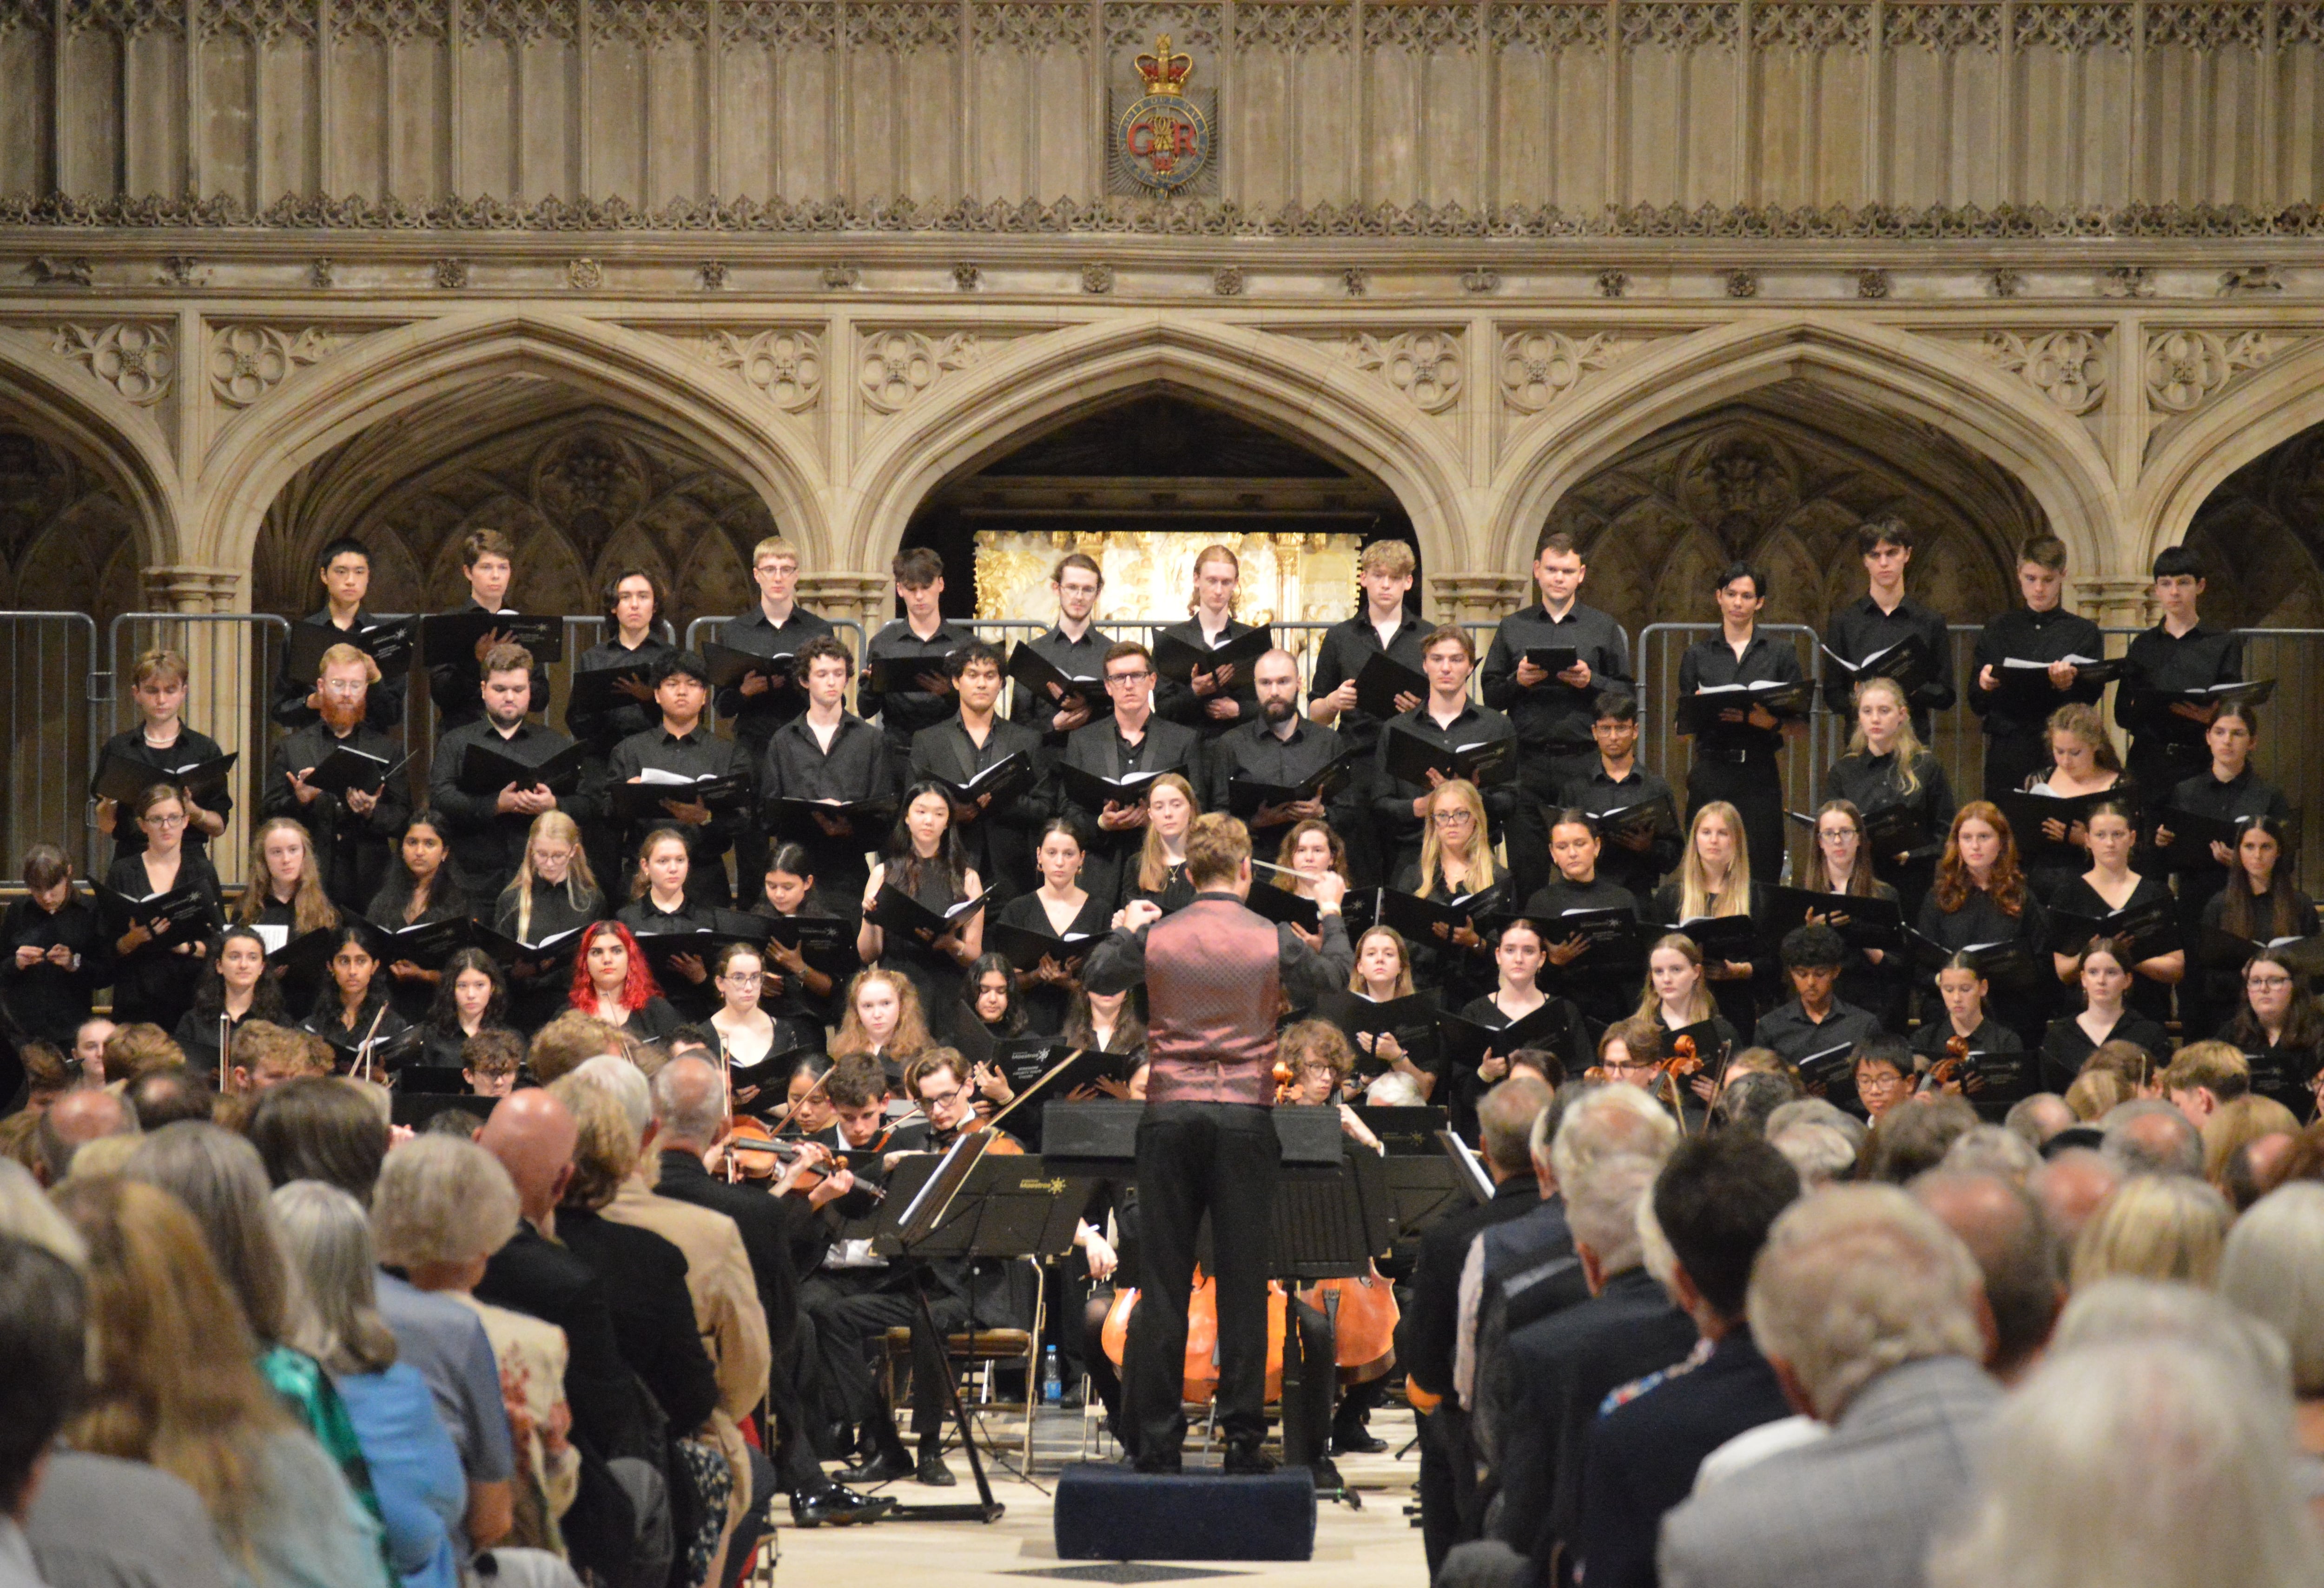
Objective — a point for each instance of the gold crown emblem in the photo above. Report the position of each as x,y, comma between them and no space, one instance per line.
1164,72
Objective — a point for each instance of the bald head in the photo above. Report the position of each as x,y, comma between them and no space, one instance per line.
689,1104
1275,676
2040,1117
2152,1138
74,1120
534,1136
2071,1187
2006,1231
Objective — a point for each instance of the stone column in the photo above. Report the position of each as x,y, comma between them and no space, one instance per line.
232,661
862,597
1476,596
2115,601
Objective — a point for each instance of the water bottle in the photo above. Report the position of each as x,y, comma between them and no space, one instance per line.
1050,1389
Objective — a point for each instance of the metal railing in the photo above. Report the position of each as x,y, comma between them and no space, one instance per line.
53,727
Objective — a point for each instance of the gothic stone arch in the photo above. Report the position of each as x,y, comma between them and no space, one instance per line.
103,433
2268,408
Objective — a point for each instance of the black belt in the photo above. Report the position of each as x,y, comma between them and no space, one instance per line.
1735,755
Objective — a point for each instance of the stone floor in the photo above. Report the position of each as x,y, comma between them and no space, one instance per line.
1373,1546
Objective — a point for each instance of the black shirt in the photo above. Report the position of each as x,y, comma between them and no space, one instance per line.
999,838
1979,920
756,717
487,841
603,729
1346,647
375,1022
48,1000
1077,659
457,686
1861,628
1176,702
186,750
1101,748
1392,797
1713,662
1596,793
382,703
1255,752
697,753
350,849
1872,782
1787,1030
2158,659
2247,794
1554,717
2066,1046
906,711
2031,636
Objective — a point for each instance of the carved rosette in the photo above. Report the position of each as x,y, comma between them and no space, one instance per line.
2186,368
1538,367
784,366
2066,366
247,362
901,367
136,360
1423,365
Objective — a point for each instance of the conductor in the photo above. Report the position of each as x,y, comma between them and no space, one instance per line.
1215,974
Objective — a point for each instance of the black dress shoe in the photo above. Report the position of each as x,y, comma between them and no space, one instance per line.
836,1506
1327,1476
885,1468
1356,1440
1248,1460
932,1472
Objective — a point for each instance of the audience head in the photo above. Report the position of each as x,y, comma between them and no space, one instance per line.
564,1043
1913,1140
2203,1077
319,1130
1749,1102
2121,1309
1605,1123
328,1240
2038,1118
689,1105
443,1206
621,1081
2237,1124
2255,1168
1713,1203
2071,1188
133,1049
43,1341
164,1097
1992,1149
265,1055
1820,1153
1855,1281
76,1119
222,1181
1603,1202
2147,1136
2154,1227
1505,1122
1998,1219
533,1134
2273,1266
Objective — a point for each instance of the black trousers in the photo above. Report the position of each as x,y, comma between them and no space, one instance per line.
1754,787
2011,758
852,1309
1194,1158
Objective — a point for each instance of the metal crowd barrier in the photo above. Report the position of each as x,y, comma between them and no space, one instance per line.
53,724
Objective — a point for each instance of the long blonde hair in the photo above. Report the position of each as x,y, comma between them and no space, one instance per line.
1699,1008
311,909
1694,886
1153,861
173,1384
1909,748
1480,840
553,824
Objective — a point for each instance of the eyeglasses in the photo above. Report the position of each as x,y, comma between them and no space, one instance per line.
943,1099
1452,818
2267,981
344,686
744,978
1836,836
1113,680
162,821
1876,1083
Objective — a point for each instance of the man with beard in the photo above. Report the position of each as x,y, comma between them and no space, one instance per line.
1283,748
344,566
488,830
350,827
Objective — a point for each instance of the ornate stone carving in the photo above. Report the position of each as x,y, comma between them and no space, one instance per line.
2207,27
1742,283
2256,278
451,274
1421,30
1613,284
1872,283
1292,25
901,25
1944,28
520,21
2075,26
1480,280
1355,280
1097,279
900,366
2186,368
1192,24
392,22
2005,284
584,276
51,269
967,277
784,366
1030,27
654,24
123,19
1803,25
713,275
134,359
2299,24
248,361
785,24
1226,280
2126,281
1682,24
1548,28
262,22
2066,366
841,276
323,273
29,15
1425,365
1538,367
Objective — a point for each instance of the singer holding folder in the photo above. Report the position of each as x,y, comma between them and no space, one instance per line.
1736,752
488,828
1214,975
348,818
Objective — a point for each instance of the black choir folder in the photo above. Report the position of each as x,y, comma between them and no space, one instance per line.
1176,658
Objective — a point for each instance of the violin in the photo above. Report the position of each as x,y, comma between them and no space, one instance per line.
1947,1069
1286,1078
1682,1063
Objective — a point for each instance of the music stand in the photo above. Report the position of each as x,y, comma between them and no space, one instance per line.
971,1204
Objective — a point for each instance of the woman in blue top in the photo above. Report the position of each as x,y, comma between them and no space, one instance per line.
414,1465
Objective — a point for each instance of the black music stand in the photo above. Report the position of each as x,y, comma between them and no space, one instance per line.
973,1203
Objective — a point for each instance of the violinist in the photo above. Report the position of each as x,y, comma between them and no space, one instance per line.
1884,1073
805,1100
856,1297
746,1033
1962,988
235,988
